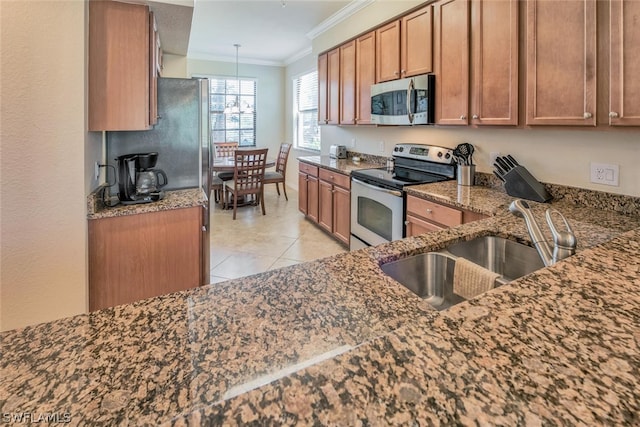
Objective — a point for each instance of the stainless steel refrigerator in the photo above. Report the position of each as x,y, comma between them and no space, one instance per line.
181,137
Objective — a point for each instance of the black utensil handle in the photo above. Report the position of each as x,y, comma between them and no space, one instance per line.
510,157
499,176
503,163
499,168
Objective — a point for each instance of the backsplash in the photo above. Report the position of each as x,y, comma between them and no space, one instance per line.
627,205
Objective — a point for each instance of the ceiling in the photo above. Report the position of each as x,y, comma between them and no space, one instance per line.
268,33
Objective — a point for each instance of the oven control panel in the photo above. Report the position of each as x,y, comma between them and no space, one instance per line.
431,153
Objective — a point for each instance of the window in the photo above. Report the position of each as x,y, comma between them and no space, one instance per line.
305,106
233,110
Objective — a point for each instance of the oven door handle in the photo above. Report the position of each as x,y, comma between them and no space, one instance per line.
375,187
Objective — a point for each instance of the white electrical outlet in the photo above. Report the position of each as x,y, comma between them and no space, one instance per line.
493,155
381,146
353,143
606,174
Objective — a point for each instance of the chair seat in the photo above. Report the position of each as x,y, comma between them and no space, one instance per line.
225,176
272,176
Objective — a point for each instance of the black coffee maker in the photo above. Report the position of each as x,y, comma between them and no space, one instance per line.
138,182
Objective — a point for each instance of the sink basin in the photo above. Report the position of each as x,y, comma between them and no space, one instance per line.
503,256
428,275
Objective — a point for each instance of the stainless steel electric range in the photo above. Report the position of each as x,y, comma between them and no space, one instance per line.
377,196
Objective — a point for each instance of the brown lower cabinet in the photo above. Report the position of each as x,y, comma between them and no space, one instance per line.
140,256
425,215
324,196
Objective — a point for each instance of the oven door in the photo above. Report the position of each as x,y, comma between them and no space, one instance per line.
376,214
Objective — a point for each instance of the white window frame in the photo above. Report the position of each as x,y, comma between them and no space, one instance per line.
312,114
213,112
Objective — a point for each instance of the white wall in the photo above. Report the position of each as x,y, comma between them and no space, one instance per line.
174,66
43,242
560,156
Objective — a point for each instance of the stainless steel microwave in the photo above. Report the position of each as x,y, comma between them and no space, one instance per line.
407,101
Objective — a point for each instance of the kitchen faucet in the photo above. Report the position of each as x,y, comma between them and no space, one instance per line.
564,242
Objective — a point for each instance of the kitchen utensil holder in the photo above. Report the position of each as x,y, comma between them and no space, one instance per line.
466,174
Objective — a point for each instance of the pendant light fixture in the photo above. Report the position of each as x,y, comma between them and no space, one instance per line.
235,108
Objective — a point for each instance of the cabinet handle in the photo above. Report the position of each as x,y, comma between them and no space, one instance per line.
403,72
474,117
395,73
463,117
587,115
429,211
204,228
613,115
406,223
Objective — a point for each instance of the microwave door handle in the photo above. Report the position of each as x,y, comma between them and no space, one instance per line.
409,92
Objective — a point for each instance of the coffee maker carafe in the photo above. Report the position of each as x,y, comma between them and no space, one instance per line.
137,180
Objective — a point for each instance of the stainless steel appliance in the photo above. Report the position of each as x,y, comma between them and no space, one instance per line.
377,197
409,101
181,138
338,152
138,181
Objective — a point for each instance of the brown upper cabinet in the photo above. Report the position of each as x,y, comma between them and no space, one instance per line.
365,76
451,48
404,46
121,83
561,62
624,102
494,62
329,87
348,83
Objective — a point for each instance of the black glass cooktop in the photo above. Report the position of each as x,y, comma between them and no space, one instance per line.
396,178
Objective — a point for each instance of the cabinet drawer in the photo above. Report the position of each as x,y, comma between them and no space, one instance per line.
336,178
434,211
308,169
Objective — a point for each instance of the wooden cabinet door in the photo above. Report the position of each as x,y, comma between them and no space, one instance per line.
416,43
325,205
561,62
333,87
415,226
302,193
365,76
141,256
348,83
624,91
119,75
323,88
312,198
494,47
388,52
451,49
342,214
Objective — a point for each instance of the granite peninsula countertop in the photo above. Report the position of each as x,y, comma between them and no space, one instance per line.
337,342
173,199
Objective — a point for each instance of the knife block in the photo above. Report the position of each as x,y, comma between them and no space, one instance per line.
518,182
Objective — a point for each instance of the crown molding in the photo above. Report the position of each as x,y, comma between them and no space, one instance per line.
350,9
299,55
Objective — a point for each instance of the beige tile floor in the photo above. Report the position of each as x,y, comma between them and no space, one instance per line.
254,243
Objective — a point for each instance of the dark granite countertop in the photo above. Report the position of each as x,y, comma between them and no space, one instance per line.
344,166
173,199
337,342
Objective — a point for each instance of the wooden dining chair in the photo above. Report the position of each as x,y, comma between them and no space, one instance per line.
220,150
248,174
279,175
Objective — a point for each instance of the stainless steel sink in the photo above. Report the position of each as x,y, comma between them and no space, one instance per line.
430,275
503,256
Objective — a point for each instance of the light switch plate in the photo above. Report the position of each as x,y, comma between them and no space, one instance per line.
606,174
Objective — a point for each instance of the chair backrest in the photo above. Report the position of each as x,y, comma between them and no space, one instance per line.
248,171
283,156
224,149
